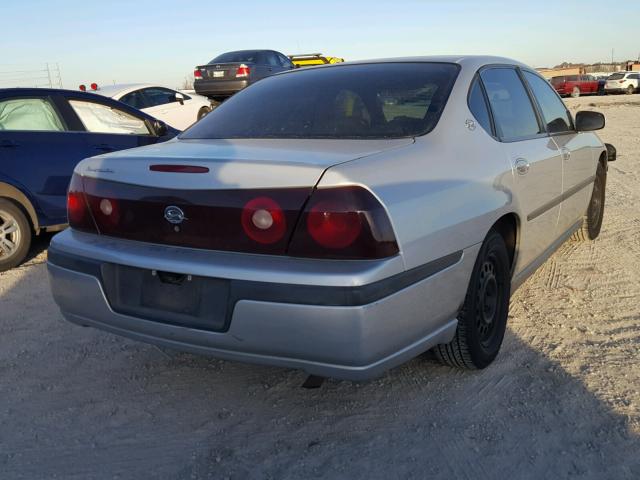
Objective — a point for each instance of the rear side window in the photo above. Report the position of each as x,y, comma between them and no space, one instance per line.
368,101
29,114
616,76
159,96
553,109
478,106
99,118
513,112
135,99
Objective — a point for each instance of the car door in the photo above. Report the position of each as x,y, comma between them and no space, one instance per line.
161,103
578,162
38,152
535,158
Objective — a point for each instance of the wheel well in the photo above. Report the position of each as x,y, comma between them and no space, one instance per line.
14,195
603,159
507,226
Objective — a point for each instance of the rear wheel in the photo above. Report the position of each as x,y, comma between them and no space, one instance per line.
15,235
575,93
592,221
630,90
482,320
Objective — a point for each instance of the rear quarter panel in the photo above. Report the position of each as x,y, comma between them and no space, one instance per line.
443,192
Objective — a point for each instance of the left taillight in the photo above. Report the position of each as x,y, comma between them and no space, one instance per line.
197,73
78,213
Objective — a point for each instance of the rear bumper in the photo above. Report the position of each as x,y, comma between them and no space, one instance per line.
346,331
219,87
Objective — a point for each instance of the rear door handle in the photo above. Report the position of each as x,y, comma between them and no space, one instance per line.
8,144
566,153
103,147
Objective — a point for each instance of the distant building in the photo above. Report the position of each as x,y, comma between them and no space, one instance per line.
633,66
596,69
556,72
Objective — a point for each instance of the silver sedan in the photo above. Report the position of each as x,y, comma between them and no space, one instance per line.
339,219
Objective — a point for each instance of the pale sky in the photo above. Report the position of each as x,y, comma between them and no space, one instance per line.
160,41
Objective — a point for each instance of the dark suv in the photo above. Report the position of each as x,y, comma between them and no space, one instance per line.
232,71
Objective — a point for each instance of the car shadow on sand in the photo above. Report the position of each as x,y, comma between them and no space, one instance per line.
81,403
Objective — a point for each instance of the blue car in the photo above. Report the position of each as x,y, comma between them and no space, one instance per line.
44,133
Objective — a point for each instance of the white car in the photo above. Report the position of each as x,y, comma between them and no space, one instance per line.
623,82
175,108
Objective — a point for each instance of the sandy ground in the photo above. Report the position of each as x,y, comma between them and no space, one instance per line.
561,401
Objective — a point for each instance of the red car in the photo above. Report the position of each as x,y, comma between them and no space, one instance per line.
575,85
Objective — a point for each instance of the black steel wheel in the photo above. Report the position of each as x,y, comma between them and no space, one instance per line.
482,320
592,221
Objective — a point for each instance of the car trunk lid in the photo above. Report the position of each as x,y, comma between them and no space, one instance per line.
193,193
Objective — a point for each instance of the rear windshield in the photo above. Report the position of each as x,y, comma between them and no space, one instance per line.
369,101
245,56
555,80
616,76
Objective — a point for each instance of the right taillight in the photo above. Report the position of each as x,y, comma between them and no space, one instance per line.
343,223
242,71
78,213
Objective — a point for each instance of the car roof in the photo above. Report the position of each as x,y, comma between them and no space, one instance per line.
37,91
119,89
460,59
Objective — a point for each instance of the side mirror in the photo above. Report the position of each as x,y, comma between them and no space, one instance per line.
180,98
587,121
160,128
611,152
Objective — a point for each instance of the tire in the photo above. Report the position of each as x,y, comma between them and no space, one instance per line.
482,320
15,235
203,112
592,221
631,90
575,93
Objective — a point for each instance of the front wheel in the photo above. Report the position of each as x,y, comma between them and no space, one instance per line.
592,221
575,93
482,320
203,112
15,235
630,90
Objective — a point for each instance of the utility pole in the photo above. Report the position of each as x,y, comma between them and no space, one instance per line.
612,50
49,76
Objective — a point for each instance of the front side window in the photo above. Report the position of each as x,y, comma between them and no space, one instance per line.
555,114
368,101
284,61
29,114
99,118
478,106
513,112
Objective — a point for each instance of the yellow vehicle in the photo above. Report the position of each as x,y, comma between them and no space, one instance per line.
311,59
